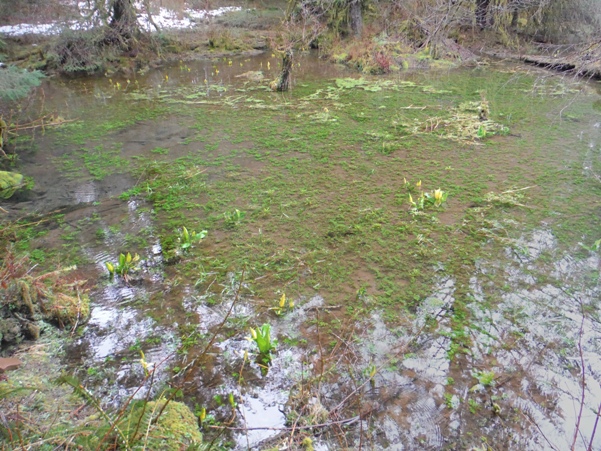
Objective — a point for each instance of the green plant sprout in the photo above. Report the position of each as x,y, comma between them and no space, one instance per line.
282,306
233,218
595,247
262,337
370,372
126,264
187,239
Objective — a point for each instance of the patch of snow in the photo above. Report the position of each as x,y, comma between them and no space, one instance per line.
165,19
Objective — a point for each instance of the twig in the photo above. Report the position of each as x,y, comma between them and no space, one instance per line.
51,124
527,414
519,189
229,312
346,421
590,444
583,382
210,343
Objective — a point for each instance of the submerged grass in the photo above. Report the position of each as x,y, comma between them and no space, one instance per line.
326,210
308,192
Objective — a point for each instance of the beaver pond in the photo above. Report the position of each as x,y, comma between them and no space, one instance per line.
421,245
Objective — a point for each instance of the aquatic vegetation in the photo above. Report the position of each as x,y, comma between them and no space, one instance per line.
326,217
124,265
510,197
187,239
323,116
468,122
262,338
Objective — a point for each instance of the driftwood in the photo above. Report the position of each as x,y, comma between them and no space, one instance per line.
585,62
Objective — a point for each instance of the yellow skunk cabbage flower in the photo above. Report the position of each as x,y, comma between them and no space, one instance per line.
419,184
283,300
438,196
144,363
253,333
110,267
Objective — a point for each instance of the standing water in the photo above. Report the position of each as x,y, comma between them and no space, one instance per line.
433,234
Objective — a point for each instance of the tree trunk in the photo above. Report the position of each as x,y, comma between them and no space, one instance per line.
482,13
124,18
515,16
356,17
284,81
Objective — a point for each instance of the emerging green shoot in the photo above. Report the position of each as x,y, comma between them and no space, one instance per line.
233,218
262,337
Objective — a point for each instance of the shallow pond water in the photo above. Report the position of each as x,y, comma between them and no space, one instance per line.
467,325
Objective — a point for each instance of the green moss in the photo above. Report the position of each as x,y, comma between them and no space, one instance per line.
176,429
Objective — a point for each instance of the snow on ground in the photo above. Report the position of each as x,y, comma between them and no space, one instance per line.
165,18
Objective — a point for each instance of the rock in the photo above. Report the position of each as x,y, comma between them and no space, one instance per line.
10,330
9,363
9,183
68,309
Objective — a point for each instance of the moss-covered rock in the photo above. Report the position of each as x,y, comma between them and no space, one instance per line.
176,428
9,183
26,299
10,330
68,309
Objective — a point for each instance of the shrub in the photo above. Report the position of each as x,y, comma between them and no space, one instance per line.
16,83
77,51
